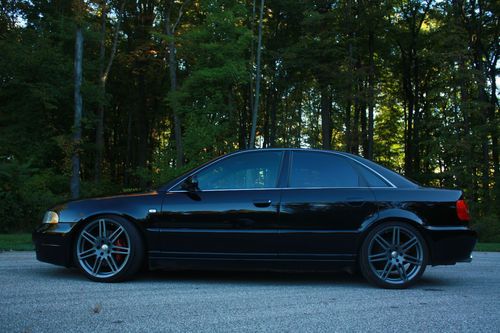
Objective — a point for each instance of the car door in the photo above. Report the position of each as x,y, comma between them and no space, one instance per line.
233,213
323,207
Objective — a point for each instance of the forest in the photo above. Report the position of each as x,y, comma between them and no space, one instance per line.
107,96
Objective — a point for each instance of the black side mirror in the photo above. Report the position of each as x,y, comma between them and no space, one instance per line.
190,184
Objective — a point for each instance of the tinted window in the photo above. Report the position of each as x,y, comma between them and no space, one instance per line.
370,177
242,171
390,175
311,169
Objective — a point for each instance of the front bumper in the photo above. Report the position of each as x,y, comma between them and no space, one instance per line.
449,245
53,243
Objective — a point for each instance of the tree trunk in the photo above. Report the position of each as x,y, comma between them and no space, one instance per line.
274,105
243,120
348,131
371,94
77,127
103,77
326,118
172,66
494,129
255,110
266,133
407,87
99,136
417,115
128,158
355,125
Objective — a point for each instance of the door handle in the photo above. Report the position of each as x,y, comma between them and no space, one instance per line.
355,201
262,203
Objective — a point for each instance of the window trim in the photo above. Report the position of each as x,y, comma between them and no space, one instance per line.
284,168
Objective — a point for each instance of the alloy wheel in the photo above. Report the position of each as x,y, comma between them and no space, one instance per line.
396,255
103,248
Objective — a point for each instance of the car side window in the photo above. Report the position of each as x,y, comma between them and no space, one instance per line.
242,171
312,169
371,178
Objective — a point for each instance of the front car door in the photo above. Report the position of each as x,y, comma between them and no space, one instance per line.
323,207
233,214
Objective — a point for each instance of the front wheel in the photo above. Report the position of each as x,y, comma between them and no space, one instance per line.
393,255
109,249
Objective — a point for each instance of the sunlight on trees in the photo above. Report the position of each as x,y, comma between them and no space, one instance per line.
169,84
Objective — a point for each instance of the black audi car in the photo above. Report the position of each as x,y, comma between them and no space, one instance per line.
266,209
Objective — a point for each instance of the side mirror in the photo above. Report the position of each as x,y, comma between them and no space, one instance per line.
190,184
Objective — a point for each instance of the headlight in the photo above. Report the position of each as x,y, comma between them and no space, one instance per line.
51,217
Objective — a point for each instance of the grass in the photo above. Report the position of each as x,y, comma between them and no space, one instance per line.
16,242
22,242
487,247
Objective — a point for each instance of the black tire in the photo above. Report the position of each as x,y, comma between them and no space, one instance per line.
393,255
108,249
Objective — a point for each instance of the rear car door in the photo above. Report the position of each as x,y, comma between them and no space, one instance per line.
323,207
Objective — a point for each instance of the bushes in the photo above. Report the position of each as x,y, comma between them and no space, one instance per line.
488,228
25,193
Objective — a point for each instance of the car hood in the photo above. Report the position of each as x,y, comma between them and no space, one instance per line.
135,205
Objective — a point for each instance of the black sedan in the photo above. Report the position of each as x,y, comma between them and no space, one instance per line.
266,209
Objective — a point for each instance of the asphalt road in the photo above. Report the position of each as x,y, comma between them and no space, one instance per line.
38,297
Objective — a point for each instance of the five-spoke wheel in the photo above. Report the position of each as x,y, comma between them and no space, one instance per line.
393,255
108,249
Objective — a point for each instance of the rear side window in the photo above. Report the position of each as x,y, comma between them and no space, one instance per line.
371,178
313,169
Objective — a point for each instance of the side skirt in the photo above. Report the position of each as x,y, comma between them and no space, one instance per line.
252,262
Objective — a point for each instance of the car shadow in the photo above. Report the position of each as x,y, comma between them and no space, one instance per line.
262,278
253,277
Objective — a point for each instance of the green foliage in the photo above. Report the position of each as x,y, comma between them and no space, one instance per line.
428,71
26,193
488,227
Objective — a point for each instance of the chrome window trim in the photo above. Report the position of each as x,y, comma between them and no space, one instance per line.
280,188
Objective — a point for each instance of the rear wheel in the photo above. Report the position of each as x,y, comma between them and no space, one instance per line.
109,249
393,255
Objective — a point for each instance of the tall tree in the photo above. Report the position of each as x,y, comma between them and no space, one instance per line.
171,24
258,78
78,106
104,68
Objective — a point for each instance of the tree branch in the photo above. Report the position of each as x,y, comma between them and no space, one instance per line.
115,42
181,12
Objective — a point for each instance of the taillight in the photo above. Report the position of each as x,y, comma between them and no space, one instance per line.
462,210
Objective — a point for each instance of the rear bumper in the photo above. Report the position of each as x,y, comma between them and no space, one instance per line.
53,243
449,245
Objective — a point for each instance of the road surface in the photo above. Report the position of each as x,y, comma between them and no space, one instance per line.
39,297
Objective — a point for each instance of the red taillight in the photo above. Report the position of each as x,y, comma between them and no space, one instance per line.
462,210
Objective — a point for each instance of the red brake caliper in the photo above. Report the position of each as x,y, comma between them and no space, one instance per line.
119,257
